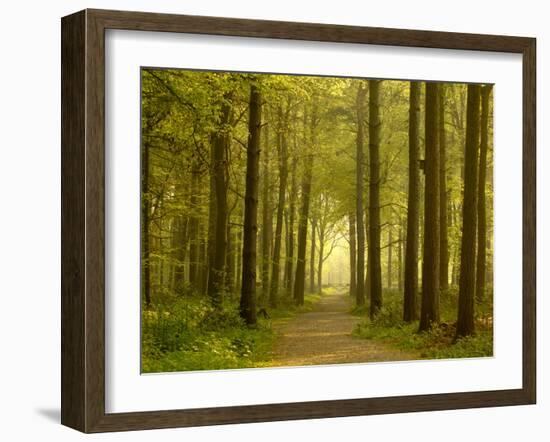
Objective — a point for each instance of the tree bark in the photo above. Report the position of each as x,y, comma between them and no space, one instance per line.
267,224
203,264
456,252
299,280
390,239
283,173
289,269
194,241
313,223
429,313
238,258
400,258
179,248
443,209
411,244
216,269
248,290
360,212
481,203
467,281
230,250
320,266
229,258
352,256
375,276
145,227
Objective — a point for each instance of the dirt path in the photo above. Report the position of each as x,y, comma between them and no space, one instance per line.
323,336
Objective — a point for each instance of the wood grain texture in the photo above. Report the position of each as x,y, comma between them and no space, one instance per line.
529,220
73,130
83,219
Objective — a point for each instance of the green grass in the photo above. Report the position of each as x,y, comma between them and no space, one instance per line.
186,333
439,343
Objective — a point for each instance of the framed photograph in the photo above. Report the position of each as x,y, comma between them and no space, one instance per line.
268,221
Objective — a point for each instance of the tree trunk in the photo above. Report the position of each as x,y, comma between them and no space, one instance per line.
238,258
467,281
267,224
321,260
230,251
360,182
179,248
390,239
299,280
194,240
289,269
145,227
248,290
216,268
443,209
481,204
203,264
400,258
313,223
352,256
429,313
211,235
375,276
456,252
283,173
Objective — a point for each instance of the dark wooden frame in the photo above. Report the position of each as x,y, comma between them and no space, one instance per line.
83,215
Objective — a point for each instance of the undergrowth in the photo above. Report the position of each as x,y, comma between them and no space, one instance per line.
184,333
438,343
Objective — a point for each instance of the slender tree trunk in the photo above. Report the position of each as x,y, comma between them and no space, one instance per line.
179,248
248,290
429,314
313,223
267,224
443,209
203,266
321,260
360,182
299,280
230,251
481,204
456,266
216,269
212,216
390,239
456,251
374,198
352,255
467,281
367,241
238,258
283,173
194,241
145,227
400,259
289,268
159,264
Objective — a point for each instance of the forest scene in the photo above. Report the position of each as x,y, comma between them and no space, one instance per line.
291,220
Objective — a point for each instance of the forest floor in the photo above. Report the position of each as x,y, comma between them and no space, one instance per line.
324,336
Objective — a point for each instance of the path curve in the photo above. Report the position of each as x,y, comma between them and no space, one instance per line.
324,336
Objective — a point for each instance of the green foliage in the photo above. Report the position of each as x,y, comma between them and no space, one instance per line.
190,334
182,114
438,343
187,333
